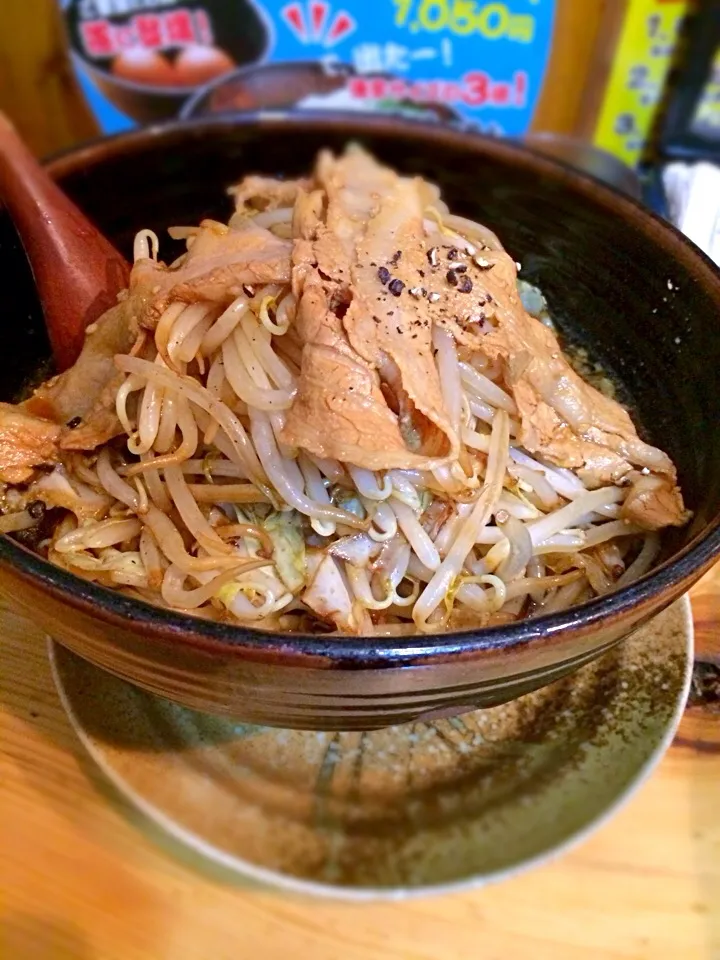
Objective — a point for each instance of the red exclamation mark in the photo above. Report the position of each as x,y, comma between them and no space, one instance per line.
342,26
318,16
520,83
295,19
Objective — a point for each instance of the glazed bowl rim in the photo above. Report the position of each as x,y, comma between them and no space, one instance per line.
633,602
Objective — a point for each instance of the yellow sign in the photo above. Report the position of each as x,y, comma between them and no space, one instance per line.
642,61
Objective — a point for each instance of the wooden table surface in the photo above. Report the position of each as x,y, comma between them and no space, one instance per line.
82,877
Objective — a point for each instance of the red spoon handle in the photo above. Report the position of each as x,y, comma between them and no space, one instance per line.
78,273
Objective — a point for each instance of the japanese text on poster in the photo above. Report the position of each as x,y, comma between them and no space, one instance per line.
474,62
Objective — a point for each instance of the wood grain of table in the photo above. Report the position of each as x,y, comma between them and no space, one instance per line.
83,877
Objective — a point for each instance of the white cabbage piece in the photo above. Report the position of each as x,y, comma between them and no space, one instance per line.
328,596
285,531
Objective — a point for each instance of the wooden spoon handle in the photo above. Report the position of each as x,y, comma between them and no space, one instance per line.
78,273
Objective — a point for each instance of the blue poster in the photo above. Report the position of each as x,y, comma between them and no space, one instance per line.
469,62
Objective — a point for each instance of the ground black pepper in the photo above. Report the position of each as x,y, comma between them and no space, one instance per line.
36,509
75,422
383,275
451,278
465,285
396,287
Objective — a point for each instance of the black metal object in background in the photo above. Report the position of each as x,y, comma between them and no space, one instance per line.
687,134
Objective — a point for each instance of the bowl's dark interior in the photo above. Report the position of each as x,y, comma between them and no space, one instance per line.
633,291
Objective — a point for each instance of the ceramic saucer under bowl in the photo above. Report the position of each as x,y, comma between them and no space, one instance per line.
412,809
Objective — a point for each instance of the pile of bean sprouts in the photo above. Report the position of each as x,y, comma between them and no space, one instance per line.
207,512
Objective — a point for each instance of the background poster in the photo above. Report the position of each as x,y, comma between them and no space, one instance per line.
471,62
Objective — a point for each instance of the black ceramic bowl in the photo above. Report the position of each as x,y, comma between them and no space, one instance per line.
645,301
